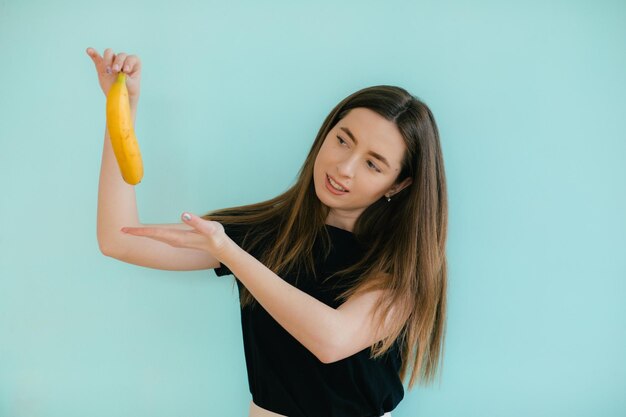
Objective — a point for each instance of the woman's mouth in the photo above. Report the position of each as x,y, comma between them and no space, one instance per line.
334,187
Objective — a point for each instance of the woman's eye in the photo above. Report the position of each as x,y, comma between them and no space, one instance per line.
373,166
369,163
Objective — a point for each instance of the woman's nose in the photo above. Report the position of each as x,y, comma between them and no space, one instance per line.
346,167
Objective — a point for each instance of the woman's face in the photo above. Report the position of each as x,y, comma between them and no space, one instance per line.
362,154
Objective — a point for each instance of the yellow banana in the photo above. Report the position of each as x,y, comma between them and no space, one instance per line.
120,126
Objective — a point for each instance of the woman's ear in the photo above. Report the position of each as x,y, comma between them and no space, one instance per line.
396,188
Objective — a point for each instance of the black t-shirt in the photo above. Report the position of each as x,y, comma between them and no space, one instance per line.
286,378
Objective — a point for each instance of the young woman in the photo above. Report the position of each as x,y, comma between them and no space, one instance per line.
341,278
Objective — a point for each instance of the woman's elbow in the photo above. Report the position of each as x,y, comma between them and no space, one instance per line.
330,353
326,359
106,248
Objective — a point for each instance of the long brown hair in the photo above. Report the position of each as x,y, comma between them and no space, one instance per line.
405,237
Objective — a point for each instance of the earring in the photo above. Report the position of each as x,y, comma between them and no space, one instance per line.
388,198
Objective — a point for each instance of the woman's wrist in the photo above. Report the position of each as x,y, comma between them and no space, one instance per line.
227,252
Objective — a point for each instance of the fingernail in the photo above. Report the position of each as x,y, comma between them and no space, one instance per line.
186,216
116,67
126,68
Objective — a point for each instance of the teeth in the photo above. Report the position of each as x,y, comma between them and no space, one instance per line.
335,185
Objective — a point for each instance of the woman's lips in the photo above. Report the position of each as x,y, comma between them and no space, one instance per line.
333,189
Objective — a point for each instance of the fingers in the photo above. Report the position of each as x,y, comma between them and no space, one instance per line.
175,238
118,62
107,60
93,54
138,231
151,232
113,63
131,65
96,58
128,64
204,226
205,235
195,221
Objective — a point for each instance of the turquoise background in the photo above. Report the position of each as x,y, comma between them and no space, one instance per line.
530,101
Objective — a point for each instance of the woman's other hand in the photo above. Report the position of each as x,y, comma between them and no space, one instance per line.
206,235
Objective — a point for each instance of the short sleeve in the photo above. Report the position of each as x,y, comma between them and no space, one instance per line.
236,232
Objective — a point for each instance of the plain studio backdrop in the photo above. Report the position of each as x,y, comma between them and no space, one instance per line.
529,99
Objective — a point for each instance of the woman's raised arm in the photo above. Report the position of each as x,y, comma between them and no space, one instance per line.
117,202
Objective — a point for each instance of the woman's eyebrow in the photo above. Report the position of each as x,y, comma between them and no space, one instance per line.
356,142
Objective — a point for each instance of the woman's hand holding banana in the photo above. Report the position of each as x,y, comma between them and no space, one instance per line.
110,65
119,76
